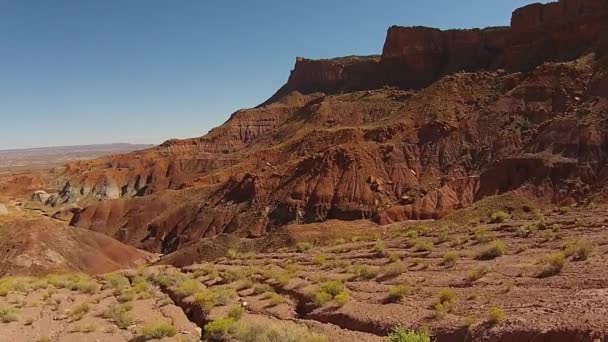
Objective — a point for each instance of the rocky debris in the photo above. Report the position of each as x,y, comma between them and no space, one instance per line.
40,196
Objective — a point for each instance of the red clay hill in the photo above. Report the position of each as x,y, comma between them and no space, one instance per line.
440,120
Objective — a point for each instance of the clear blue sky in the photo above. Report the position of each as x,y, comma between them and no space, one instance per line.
143,71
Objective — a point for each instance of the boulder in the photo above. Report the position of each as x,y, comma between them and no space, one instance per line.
40,196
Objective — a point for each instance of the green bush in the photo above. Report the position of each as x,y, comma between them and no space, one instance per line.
235,312
450,259
258,289
120,315
496,315
322,298
397,292
365,272
579,250
78,312
8,314
393,269
380,249
493,250
342,298
481,235
424,246
551,265
206,299
319,259
477,274
276,299
447,296
302,247
158,330
499,217
332,287
400,334
219,329
274,332
189,287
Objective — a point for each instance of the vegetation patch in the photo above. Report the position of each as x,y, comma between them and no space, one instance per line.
551,265
493,250
401,334
398,292
158,330
579,250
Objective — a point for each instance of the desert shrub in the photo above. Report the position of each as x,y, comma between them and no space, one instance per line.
302,247
393,257
206,299
258,289
331,291
476,274
189,287
276,299
499,217
364,271
423,246
232,253
401,334
8,314
235,312
564,210
380,249
322,298
447,296
158,330
208,270
397,292
8,285
274,332
243,284
117,281
450,259
342,298
234,274
551,265
219,329
126,295
71,281
578,250
319,259
443,236
393,269
481,235
140,285
78,312
278,275
493,250
496,315
120,315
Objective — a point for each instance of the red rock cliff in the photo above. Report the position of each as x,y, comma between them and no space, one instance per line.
414,57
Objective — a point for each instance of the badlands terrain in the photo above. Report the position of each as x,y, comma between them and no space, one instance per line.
452,188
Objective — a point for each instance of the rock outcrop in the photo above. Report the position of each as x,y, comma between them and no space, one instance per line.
414,57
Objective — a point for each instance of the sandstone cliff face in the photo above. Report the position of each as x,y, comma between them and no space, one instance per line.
414,57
